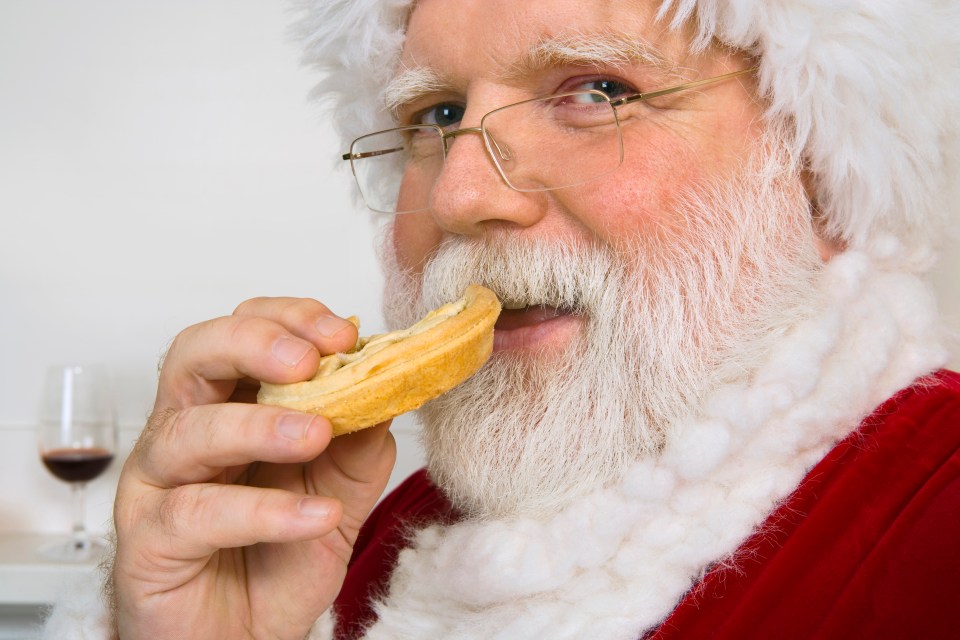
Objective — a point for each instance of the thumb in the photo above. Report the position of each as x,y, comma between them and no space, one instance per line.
354,469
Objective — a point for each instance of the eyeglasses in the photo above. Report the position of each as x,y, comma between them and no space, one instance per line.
558,141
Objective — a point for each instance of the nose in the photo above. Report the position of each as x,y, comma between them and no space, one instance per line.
470,194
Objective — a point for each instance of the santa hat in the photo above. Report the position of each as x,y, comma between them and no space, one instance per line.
870,91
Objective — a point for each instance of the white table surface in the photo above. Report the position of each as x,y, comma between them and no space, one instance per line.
27,578
29,582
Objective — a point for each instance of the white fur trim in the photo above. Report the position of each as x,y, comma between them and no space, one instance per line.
323,628
355,45
871,90
616,562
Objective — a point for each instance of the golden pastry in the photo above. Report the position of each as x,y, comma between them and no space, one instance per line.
392,373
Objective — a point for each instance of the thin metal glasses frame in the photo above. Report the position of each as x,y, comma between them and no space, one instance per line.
494,149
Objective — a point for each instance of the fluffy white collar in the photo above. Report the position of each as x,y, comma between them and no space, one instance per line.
616,562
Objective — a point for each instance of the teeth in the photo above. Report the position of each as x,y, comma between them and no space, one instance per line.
512,304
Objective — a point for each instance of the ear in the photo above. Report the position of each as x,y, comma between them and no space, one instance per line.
827,245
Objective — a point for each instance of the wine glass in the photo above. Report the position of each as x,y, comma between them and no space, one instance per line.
77,440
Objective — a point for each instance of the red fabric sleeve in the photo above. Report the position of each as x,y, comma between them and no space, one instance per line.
414,503
868,546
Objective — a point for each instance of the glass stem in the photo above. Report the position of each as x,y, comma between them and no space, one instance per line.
79,513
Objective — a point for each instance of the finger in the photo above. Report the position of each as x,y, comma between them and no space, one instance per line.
364,455
355,468
205,360
197,443
202,518
305,318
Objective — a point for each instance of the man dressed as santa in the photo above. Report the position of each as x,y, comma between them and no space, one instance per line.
715,406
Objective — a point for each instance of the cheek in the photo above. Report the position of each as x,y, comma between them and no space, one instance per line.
415,236
418,180
640,197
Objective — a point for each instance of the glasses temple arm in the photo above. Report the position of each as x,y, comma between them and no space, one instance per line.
683,87
369,154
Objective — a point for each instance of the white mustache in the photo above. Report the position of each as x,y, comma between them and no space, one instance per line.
520,272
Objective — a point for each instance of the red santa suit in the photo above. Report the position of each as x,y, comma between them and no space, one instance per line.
868,546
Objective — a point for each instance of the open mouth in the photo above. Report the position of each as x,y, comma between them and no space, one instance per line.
516,318
534,326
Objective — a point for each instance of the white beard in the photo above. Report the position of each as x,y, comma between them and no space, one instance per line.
615,560
668,319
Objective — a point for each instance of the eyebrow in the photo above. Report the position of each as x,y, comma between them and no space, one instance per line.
590,50
582,50
409,85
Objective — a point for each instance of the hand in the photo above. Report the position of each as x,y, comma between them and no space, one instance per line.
236,520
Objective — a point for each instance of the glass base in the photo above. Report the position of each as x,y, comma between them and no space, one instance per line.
74,549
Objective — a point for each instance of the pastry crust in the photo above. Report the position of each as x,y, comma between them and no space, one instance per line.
393,373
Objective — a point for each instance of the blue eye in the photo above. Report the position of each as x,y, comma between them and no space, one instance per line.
612,88
444,115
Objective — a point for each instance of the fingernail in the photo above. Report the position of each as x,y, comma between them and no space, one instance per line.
329,326
290,351
294,426
314,507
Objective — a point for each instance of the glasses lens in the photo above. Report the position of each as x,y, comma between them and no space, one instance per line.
396,169
555,142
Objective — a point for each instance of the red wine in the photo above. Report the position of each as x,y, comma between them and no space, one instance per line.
77,465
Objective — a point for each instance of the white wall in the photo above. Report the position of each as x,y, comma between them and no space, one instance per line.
159,163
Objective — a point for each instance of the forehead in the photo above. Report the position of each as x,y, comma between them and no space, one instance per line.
490,38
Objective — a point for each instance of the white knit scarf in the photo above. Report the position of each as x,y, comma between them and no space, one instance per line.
616,562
